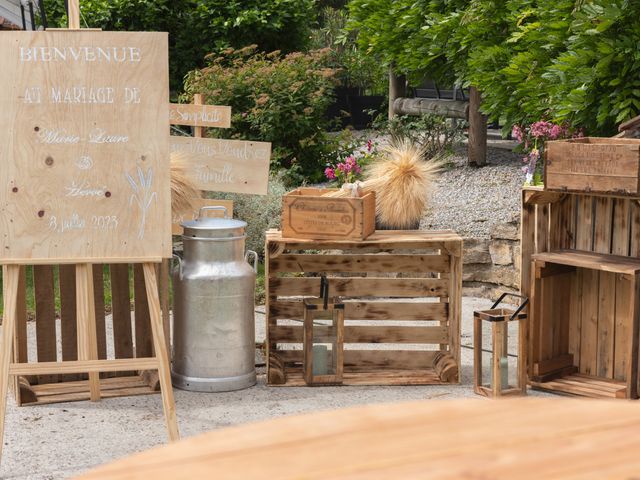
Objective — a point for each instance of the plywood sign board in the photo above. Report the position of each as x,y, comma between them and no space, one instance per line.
226,165
200,115
84,150
176,228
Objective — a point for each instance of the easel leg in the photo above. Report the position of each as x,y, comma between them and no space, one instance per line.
168,404
86,316
11,277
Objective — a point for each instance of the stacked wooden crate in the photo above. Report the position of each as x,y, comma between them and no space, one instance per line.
402,296
580,267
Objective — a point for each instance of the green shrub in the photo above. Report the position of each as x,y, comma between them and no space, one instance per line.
273,98
199,27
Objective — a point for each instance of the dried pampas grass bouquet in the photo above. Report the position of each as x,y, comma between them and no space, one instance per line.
183,191
401,179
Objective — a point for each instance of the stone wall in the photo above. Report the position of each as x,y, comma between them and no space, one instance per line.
492,265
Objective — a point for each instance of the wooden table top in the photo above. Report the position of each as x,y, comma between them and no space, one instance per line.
525,438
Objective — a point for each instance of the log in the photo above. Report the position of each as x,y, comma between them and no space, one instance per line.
397,89
422,106
477,130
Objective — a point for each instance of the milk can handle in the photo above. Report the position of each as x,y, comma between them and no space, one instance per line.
175,255
217,208
255,259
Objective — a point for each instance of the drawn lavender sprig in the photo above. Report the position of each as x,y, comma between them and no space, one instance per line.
142,194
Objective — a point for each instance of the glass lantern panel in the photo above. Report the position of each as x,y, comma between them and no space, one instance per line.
487,354
325,346
513,333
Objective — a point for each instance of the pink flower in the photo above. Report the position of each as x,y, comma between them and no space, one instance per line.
517,133
556,131
342,167
369,145
540,129
330,173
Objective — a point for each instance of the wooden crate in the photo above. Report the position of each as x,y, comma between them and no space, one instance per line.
598,165
402,295
582,333
58,342
308,214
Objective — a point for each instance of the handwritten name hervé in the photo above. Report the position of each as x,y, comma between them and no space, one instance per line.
81,94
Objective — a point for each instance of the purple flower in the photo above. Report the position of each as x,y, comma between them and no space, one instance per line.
555,132
540,129
330,173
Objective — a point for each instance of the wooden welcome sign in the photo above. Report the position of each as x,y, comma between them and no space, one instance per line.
84,150
219,165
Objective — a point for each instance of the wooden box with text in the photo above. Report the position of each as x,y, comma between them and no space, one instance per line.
306,213
401,292
597,165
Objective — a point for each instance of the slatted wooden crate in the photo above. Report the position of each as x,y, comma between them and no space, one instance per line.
402,295
584,316
56,339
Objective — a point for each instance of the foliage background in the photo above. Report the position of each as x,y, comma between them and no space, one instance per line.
569,61
199,27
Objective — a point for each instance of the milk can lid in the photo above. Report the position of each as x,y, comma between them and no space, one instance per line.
213,223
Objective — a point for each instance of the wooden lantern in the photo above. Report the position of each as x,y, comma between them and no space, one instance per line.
323,338
500,320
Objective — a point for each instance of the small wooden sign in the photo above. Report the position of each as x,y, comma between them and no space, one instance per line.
226,165
84,150
200,115
176,228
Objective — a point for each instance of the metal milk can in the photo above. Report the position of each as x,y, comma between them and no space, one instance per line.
213,313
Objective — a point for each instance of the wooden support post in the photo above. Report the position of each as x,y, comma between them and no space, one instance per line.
198,132
87,337
11,280
162,355
477,130
73,14
397,89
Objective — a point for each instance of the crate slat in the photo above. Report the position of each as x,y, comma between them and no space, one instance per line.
45,317
359,263
369,310
365,334
361,287
375,359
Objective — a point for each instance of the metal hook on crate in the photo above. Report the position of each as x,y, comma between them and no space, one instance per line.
324,290
525,301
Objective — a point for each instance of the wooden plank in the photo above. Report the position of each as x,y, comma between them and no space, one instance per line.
589,331
84,366
143,341
87,337
376,378
121,311
455,310
71,103
623,325
621,228
603,223
165,300
382,239
542,228
634,344
44,294
562,224
592,261
359,263
20,348
98,295
365,334
11,281
361,287
368,360
200,115
527,244
584,223
575,315
537,196
68,321
606,324
221,165
551,365
369,310
634,248
159,344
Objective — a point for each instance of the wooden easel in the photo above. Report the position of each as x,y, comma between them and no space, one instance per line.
86,330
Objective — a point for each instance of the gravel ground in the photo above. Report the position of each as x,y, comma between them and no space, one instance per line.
472,200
